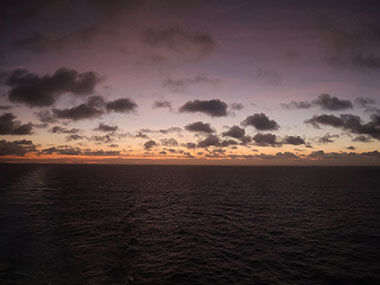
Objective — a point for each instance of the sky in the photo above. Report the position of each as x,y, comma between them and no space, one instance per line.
190,82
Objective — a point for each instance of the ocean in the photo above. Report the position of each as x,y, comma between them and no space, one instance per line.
140,224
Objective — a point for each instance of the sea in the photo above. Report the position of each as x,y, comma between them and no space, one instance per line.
156,224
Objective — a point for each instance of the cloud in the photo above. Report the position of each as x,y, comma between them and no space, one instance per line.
74,137
261,122
321,155
69,150
213,108
296,105
169,142
62,130
106,128
266,140
101,139
10,126
41,91
235,132
162,104
237,106
81,112
364,139
350,147
180,41
170,130
356,49
5,107
332,103
324,101
45,117
349,123
149,144
364,102
18,148
211,140
293,140
122,105
199,127
179,85
327,138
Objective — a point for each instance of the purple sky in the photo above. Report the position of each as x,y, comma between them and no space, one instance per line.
220,82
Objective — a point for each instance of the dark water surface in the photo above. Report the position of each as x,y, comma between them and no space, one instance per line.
99,224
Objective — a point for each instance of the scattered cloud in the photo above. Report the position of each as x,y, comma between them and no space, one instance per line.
261,122
213,108
199,127
41,91
10,126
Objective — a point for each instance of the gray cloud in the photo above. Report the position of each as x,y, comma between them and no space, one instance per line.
211,140
179,85
162,104
180,41
266,140
199,127
213,108
62,130
40,91
81,112
106,128
349,123
296,105
237,106
18,148
149,144
169,142
10,126
235,132
327,138
122,105
261,122
332,103
293,140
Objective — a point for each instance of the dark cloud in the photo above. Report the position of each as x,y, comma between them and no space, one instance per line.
18,148
169,142
213,108
62,130
321,155
40,91
81,112
101,139
327,138
10,126
199,127
350,123
190,145
350,147
5,107
63,150
293,140
180,41
179,85
45,117
237,106
351,48
69,150
364,139
278,155
266,140
211,140
296,105
122,105
149,144
332,103
261,122
141,135
364,102
162,104
106,128
96,101
74,137
170,130
235,132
